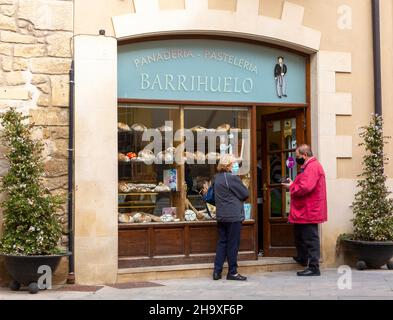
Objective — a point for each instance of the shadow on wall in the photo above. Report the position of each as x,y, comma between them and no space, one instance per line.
344,256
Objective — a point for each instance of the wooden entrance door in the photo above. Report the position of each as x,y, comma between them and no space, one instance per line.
281,134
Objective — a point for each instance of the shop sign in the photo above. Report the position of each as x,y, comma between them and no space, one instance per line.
210,70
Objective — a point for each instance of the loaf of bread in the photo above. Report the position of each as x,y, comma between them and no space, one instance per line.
198,129
122,157
138,127
223,127
123,126
200,156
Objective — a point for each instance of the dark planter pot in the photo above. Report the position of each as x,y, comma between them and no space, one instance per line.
24,269
371,254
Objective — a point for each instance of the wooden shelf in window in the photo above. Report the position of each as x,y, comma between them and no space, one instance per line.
128,207
144,193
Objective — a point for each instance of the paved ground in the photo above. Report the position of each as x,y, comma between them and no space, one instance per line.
271,285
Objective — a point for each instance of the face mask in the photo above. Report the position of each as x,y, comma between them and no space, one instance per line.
300,161
235,168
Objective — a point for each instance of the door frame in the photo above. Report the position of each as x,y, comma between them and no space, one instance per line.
301,116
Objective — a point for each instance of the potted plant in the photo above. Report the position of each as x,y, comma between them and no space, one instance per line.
372,239
32,229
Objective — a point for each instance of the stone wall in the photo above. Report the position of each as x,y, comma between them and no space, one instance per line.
35,58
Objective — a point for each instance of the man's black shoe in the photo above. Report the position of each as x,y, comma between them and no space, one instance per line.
236,276
309,273
217,276
302,262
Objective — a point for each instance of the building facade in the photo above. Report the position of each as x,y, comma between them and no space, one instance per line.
259,76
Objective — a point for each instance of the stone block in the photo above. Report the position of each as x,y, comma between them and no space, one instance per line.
7,23
43,100
56,183
49,116
56,167
60,91
19,64
9,36
47,14
29,51
50,65
39,79
44,87
344,146
6,63
14,78
4,166
292,13
59,148
55,133
8,9
59,44
6,49
14,93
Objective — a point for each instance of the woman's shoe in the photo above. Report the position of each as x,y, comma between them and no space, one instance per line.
236,276
217,276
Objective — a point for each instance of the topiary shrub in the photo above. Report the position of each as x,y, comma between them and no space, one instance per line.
31,226
372,207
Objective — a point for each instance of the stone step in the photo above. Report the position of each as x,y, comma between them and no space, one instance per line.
265,264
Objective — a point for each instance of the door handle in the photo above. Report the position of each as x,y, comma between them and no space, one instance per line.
264,189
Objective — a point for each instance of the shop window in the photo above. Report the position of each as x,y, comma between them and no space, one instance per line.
216,130
166,154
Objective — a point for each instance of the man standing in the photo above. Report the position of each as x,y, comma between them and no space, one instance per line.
308,209
280,72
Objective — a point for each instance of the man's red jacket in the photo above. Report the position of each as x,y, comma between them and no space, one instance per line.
308,195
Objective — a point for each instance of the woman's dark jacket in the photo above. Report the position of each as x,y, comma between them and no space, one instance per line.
229,199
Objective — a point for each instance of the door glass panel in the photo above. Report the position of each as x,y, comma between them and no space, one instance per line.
274,135
290,133
275,168
287,203
275,202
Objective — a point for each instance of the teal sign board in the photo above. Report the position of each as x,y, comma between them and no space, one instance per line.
210,70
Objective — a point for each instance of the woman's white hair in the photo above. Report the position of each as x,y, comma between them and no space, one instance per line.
225,162
227,159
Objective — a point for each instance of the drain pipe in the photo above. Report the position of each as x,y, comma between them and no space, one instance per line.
377,56
71,275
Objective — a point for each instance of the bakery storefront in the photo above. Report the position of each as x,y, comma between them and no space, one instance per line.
184,102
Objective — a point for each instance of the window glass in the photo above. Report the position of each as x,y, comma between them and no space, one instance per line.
214,132
149,188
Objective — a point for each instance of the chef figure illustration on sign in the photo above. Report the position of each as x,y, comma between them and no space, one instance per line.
280,72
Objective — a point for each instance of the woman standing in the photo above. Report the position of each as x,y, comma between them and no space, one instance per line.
230,193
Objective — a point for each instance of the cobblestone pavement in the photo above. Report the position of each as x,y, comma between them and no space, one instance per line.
369,284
